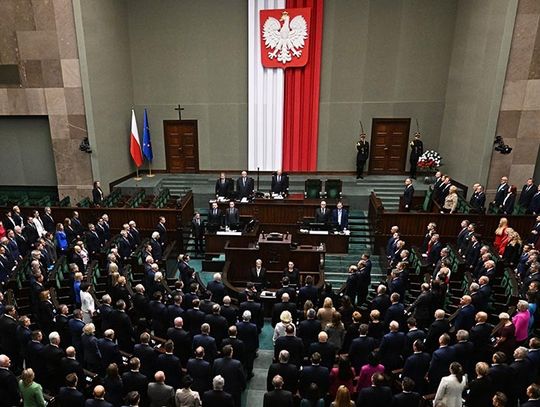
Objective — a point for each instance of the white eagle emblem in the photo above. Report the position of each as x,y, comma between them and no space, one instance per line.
287,39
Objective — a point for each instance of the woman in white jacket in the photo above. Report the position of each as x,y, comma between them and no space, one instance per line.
451,387
87,303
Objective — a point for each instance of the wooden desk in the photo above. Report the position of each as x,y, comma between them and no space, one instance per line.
282,215
334,243
274,255
215,241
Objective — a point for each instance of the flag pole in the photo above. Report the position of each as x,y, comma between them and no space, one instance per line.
150,175
137,178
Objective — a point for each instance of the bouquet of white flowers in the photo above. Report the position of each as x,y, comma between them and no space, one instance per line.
430,160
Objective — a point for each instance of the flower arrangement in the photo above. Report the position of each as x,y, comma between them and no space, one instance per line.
430,160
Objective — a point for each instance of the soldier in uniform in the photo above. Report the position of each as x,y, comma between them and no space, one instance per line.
361,157
417,149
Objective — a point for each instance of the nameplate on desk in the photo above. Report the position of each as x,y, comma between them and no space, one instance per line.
230,233
318,232
268,294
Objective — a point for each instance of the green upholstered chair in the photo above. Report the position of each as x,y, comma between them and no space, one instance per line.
313,189
333,188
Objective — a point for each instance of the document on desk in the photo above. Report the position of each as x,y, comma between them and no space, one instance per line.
318,232
229,233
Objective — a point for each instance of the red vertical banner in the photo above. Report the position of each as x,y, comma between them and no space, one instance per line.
302,92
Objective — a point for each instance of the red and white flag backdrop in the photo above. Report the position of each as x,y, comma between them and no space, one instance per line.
285,46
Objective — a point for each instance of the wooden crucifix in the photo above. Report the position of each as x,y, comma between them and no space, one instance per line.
179,108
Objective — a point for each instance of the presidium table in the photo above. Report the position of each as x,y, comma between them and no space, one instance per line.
290,216
275,250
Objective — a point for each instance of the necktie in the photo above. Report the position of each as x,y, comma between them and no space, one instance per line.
215,211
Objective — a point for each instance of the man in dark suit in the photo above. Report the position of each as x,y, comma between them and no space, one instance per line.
280,183
465,315
480,336
224,186
215,217
478,199
157,249
248,333
232,216
239,349
408,194
134,380
200,371
278,396
396,311
290,343
245,186
170,365
99,398
534,206
322,214
217,397
417,149
197,230
70,364
416,367
229,311
52,356
9,389
181,340
464,350
217,288
325,349
308,292
391,347
439,327
218,324
378,395
162,230
207,342
527,193
422,307
49,223
314,374
434,250
362,148
232,372
360,348
121,323
308,329
533,394
8,336
69,396
340,217
408,397
523,373
288,372
110,352
502,190
93,243
440,361
258,273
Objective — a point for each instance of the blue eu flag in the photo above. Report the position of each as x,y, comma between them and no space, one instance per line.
147,145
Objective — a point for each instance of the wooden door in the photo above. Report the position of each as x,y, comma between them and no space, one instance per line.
181,145
389,140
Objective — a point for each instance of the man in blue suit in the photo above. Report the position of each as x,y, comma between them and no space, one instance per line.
200,371
417,365
69,395
170,365
98,400
360,348
391,244
315,373
391,348
207,342
233,373
340,217
110,353
440,361
465,315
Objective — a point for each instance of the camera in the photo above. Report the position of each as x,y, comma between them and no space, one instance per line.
85,146
501,147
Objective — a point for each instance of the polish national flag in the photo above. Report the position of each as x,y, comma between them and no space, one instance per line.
134,142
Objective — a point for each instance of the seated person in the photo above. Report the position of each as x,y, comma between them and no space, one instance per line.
245,186
224,186
232,216
322,214
340,217
258,273
280,183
